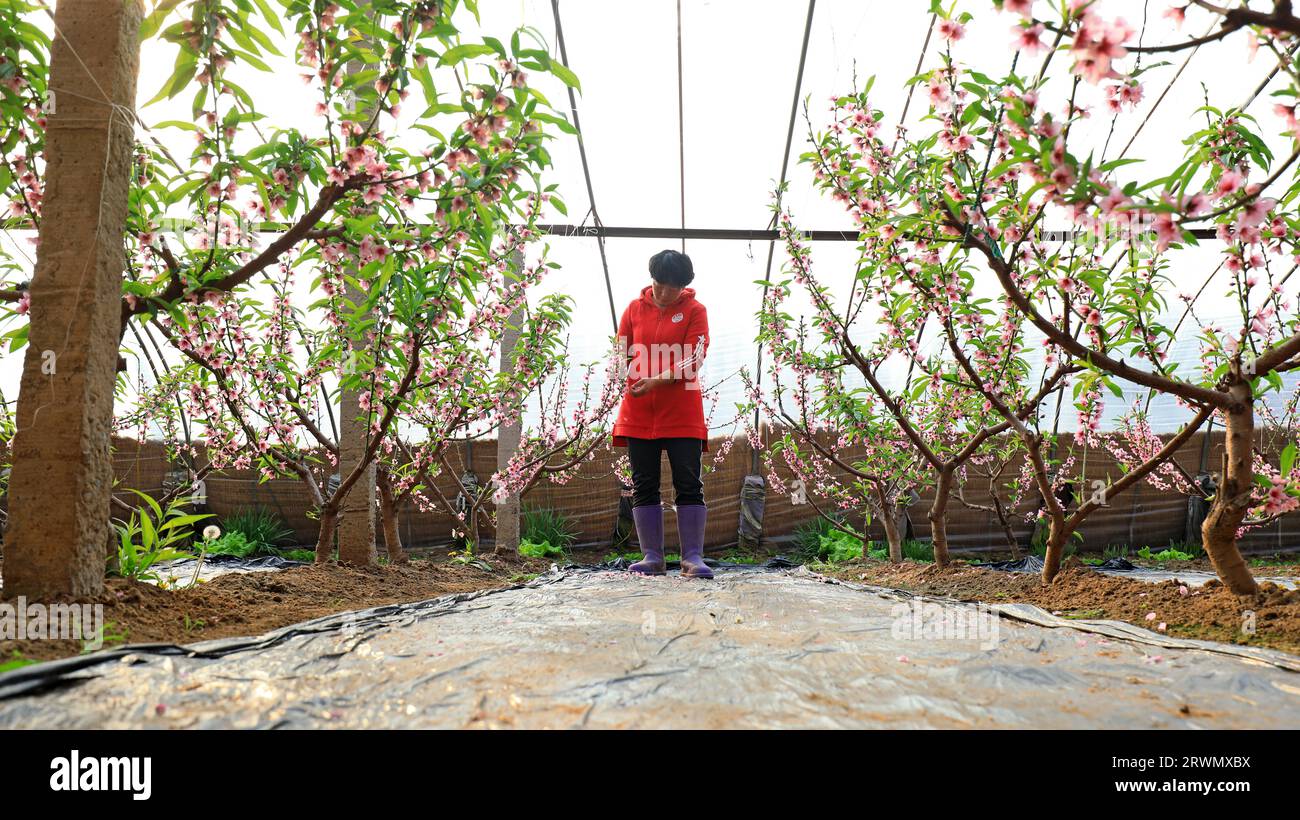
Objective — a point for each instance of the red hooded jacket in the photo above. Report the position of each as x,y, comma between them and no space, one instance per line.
658,339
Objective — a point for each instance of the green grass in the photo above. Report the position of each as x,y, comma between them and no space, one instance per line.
542,525
16,661
299,555
1275,559
253,531
919,551
637,556
1114,551
808,538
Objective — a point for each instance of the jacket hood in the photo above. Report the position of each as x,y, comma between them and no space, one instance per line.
683,301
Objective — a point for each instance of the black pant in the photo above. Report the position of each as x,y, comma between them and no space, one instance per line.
684,455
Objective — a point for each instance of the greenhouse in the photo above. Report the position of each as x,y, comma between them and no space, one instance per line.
680,364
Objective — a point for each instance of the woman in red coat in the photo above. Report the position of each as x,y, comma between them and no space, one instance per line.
665,332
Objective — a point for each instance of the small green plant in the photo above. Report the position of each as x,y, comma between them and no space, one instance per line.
469,559
110,632
837,546
808,538
539,549
1194,551
298,555
231,543
152,535
542,525
1163,555
261,529
192,624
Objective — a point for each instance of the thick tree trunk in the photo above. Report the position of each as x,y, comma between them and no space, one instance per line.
1232,501
329,520
508,435
388,512
357,529
62,479
939,518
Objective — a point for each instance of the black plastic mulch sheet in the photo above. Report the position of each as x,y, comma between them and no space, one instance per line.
1124,568
599,648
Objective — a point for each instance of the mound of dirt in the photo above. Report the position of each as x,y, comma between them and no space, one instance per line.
1271,618
240,604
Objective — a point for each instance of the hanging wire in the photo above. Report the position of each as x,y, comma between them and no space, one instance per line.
681,126
586,168
785,163
911,89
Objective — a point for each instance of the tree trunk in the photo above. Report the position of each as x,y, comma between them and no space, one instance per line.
939,518
893,538
1008,532
1232,501
60,488
1012,543
329,520
889,515
1056,538
472,532
388,511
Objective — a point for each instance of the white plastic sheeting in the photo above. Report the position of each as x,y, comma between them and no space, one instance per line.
580,648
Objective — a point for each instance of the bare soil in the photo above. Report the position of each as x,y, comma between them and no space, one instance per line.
245,604
1210,612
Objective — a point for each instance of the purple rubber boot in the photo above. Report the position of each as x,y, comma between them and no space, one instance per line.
690,527
649,520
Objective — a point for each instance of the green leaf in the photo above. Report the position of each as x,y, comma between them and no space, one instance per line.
565,76
151,24
459,53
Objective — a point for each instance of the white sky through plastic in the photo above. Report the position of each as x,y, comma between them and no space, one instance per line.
739,64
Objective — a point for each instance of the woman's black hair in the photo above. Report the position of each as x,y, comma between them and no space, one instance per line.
672,268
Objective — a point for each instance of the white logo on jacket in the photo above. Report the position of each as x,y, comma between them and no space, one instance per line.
678,318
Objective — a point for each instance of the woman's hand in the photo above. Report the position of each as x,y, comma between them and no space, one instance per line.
647,384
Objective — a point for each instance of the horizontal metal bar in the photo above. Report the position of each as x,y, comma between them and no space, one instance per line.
610,232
